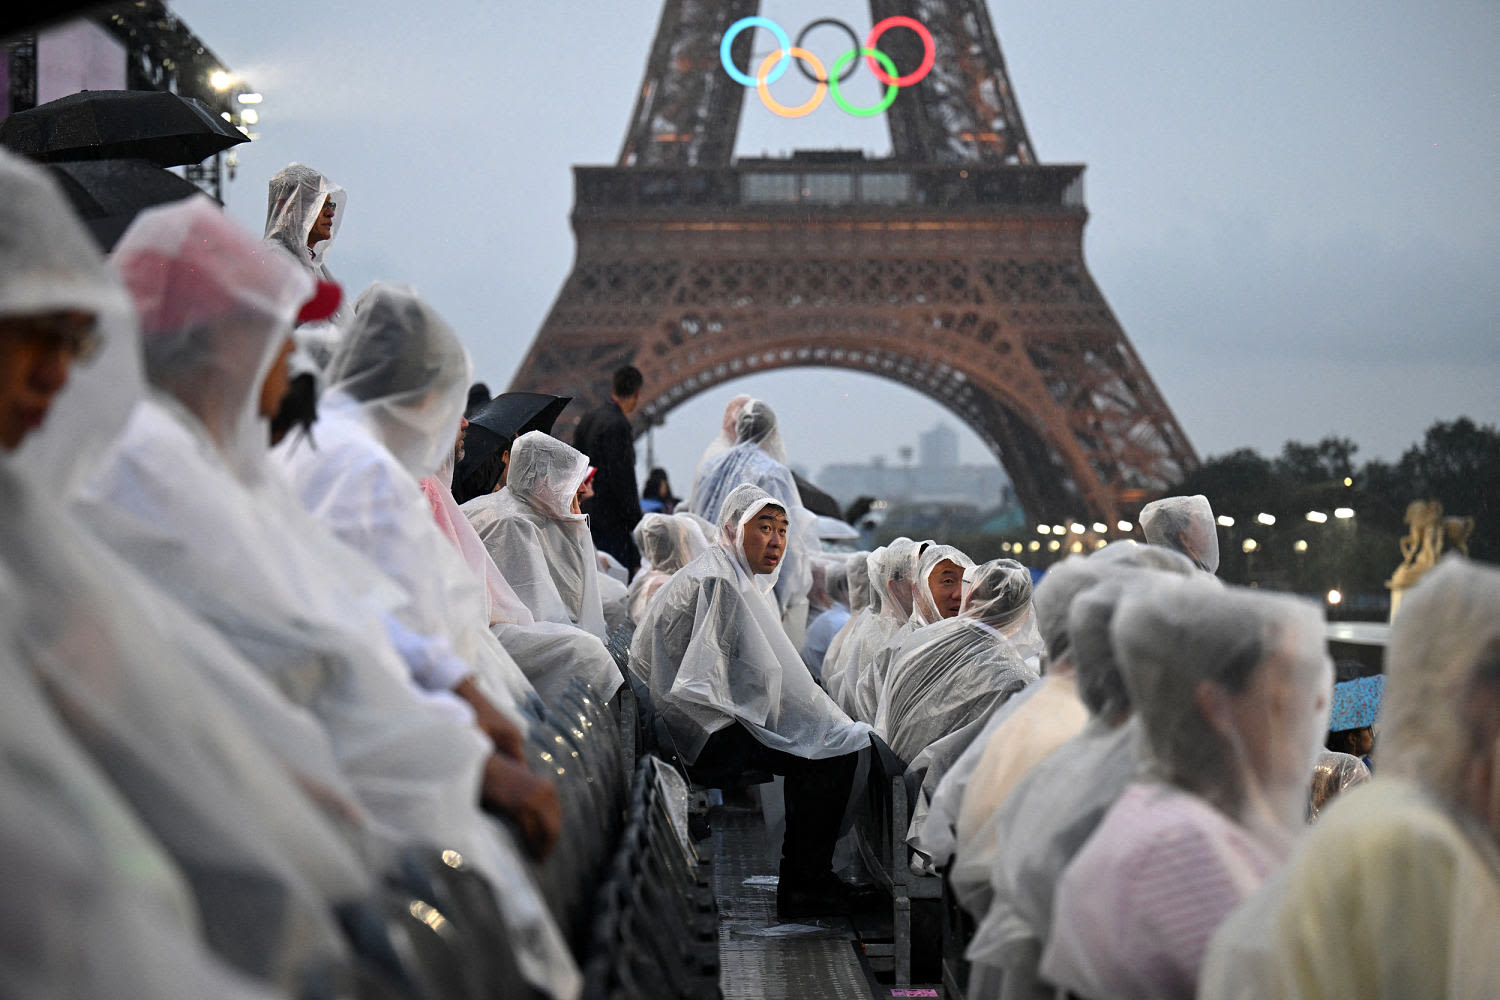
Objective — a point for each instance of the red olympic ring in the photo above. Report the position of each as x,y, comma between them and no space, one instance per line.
929,50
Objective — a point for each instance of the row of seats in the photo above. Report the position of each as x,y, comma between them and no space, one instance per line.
656,929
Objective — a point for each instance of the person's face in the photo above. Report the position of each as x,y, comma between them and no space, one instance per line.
458,442
629,403
585,489
322,227
764,540
278,379
36,353
946,584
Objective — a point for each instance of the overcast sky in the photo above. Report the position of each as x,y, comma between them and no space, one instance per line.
1295,209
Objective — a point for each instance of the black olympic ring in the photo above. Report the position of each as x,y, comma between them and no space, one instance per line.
853,44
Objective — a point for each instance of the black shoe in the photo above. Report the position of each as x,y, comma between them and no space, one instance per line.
824,895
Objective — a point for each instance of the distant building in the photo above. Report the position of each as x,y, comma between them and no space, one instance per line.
937,476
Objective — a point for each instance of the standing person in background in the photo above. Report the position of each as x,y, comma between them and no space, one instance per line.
304,210
604,435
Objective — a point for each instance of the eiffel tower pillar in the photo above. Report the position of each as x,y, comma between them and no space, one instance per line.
955,267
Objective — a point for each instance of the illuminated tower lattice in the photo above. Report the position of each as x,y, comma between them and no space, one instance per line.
954,267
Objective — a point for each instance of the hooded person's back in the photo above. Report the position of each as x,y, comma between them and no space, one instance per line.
543,548
389,416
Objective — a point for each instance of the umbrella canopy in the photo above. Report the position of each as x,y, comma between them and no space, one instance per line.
831,529
164,128
512,414
107,194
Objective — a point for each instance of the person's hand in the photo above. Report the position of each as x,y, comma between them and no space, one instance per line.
504,734
529,800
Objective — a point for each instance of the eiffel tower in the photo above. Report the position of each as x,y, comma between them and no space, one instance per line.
954,267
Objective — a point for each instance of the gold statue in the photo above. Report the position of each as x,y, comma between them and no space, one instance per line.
1427,530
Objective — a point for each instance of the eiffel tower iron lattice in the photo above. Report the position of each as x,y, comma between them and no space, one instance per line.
954,267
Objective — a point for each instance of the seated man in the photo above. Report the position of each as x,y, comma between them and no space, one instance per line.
735,694
538,538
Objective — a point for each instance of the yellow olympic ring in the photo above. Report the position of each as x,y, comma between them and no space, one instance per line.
808,106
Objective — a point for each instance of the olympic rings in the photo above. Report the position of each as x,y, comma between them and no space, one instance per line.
775,64
735,29
929,50
762,84
812,26
890,91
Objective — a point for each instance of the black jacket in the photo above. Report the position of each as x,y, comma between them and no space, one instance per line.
604,435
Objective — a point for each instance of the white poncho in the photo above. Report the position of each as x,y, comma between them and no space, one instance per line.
544,549
713,653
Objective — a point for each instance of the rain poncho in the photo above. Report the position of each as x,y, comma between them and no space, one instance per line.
390,416
165,712
924,612
947,677
549,653
892,569
1005,753
727,437
759,458
1333,775
93,909
667,542
544,549
1186,525
1395,892
294,202
713,653
184,501
1231,689
1042,824
840,663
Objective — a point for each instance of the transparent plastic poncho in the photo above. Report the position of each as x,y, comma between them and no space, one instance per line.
160,706
911,586
1186,525
1232,691
759,458
892,569
1042,823
713,654
294,201
946,678
542,547
305,610
722,442
667,542
548,653
1395,892
350,474
93,907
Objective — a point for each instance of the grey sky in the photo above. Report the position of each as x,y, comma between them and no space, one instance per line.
1295,208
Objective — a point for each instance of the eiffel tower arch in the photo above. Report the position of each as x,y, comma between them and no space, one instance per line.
955,267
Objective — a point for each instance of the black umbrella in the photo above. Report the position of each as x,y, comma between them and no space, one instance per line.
165,128
491,431
108,194
512,414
